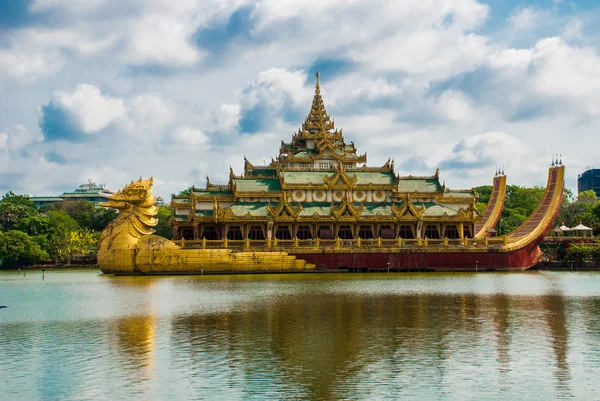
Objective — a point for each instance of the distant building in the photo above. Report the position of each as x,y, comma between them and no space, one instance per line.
589,179
91,192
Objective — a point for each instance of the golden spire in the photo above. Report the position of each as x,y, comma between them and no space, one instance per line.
318,121
318,87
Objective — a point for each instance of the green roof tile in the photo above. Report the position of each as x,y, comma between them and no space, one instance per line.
436,209
374,209
321,208
203,213
419,185
254,208
457,194
374,177
213,193
257,185
316,177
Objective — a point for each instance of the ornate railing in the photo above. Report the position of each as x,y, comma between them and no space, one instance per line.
340,244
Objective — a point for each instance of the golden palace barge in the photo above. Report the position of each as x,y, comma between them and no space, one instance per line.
318,207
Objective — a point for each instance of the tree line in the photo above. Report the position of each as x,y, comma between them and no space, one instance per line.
62,230
58,231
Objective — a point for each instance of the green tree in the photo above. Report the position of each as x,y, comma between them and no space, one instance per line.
582,210
14,208
17,249
588,196
163,228
62,225
101,217
580,252
85,213
34,225
484,193
79,242
596,211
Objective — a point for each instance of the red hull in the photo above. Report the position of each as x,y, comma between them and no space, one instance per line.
516,260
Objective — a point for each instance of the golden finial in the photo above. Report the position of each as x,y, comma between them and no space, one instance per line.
318,87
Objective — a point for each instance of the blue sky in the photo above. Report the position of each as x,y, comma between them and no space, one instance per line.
111,90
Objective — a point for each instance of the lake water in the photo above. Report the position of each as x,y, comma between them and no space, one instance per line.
81,335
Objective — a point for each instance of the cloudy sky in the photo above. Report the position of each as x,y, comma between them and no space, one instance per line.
111,90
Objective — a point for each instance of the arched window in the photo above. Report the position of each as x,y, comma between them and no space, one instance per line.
467,232
432,232
210,233
256,233
234,233
451,232
406,232
386,232
283,232
345,232
324,232
365,232
304,232
187,233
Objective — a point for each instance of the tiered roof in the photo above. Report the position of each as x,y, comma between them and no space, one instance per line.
319,128
317,139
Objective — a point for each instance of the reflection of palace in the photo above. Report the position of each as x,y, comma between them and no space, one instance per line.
319,186
315,347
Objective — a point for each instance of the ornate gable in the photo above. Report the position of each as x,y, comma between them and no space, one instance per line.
408,211
340,180
284,209
346,209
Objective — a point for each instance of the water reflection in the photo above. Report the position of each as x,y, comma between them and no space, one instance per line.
301,337
135,335
327,347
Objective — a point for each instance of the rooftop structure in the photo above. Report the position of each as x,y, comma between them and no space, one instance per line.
320,186
91,192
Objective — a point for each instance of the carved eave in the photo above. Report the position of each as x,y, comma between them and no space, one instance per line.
284,209
408,211
175,203
340,180
338,210
257,194
421,195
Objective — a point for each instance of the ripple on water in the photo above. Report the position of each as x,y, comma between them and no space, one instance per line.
436,336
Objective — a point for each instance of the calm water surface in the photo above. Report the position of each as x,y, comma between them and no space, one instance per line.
81,335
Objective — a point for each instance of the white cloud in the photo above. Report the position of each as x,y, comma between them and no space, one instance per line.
454,106
228,117
277,87
148,115
29,65
525,18
419,77
92,109
552,76
477,154
16,138
77,39
70,5
186,136
573,30
160,39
